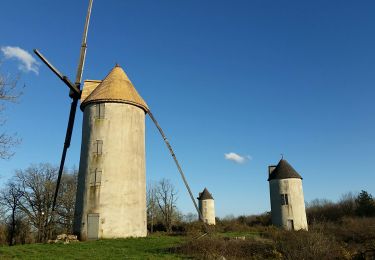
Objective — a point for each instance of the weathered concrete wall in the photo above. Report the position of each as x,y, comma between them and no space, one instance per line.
120,199
207,207
295,210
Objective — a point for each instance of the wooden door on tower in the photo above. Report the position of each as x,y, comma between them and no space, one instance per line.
92,226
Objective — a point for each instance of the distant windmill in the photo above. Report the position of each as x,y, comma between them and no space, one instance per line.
207,206
100,208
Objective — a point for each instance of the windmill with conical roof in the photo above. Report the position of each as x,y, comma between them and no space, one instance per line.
111,191
286,194
207,207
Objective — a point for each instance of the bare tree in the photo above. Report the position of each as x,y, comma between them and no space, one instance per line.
66,201
347,204
8,93
152,209
166,198
10,199
37,184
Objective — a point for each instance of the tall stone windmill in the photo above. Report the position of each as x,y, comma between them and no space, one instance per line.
111,192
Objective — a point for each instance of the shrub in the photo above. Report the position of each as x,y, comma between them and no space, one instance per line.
215,248
356,234
322,211
307,245
194,229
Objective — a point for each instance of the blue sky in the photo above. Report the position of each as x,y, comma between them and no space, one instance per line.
256,78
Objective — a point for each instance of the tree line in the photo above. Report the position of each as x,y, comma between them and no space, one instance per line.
26,205
349,205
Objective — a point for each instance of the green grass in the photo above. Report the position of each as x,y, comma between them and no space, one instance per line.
152,247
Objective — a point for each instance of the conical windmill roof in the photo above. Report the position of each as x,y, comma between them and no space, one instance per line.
205,195
116,87
284,171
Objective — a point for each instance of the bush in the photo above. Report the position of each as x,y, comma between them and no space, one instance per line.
274,243
215,248
323,210
243,223
356,234
307,245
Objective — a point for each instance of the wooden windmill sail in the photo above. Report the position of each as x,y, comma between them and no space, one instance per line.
74,94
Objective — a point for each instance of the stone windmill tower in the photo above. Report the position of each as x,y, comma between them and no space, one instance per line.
287,201
111,192
207,207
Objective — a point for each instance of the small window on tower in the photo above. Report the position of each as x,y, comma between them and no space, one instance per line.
284,199
100,108
98,149
96,177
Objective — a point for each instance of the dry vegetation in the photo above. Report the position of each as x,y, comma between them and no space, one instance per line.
351,238
342,230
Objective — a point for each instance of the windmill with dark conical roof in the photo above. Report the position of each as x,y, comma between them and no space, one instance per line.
286,194
207,207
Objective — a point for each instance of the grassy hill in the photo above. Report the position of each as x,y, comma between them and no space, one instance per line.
152,247
352,238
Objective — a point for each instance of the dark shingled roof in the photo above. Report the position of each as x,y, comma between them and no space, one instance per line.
283,171
205,195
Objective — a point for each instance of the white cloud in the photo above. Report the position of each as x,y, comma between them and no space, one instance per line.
28,63
237,158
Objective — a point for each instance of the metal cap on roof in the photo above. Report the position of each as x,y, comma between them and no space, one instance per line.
205,195
283,170
116,87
